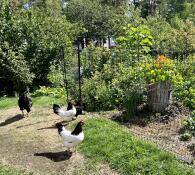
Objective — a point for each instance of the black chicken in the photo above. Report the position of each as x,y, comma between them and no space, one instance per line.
24,102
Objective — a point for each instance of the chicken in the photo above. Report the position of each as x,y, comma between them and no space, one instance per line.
25,102
68,114
71,139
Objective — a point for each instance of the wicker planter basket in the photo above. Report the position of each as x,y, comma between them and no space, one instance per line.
159,95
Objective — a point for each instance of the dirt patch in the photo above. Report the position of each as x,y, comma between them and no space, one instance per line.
33,144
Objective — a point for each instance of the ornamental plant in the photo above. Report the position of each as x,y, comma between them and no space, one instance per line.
159,70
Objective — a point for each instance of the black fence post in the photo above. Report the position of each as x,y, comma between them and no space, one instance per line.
65,74
79,69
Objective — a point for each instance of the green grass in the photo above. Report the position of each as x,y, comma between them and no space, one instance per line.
106,141
6,103
5,170
47,101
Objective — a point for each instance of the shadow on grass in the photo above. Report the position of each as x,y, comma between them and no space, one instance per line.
28,125
53,126
56,157
49,127
31,124
12,120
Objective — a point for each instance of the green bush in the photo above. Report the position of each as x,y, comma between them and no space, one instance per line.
184,90
93,59
47,91
189,124
98,94
113,87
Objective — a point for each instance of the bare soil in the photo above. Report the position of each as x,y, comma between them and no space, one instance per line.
34,145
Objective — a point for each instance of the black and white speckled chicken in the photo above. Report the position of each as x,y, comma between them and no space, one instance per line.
68,114
71,139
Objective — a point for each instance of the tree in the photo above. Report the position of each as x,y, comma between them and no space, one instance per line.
14,70
98,19
135,41
30,41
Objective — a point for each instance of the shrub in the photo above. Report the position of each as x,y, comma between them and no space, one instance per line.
157,70
114,86
184,90
189,124
47,91
97,94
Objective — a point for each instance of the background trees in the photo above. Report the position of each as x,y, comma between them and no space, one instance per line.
30,42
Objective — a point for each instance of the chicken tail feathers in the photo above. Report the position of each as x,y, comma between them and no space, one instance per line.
56,108
59,127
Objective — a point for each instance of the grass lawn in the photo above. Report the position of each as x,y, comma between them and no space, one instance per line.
5,170
106,141
6,103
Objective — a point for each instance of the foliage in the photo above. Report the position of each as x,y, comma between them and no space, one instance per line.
127,155
186,136
183,34
189,124
47,91
44,35
48,101
161,32
100,19
93,59
171,8
158,70
31,41
112,87
91,15
175,39
97,94
115,78
135,41
55,76
184,90
13,66
166,8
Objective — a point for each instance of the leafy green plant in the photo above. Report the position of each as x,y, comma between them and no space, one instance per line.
114,86
184,89
93,59
189,124
47,91
158,70
135,41
97,94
